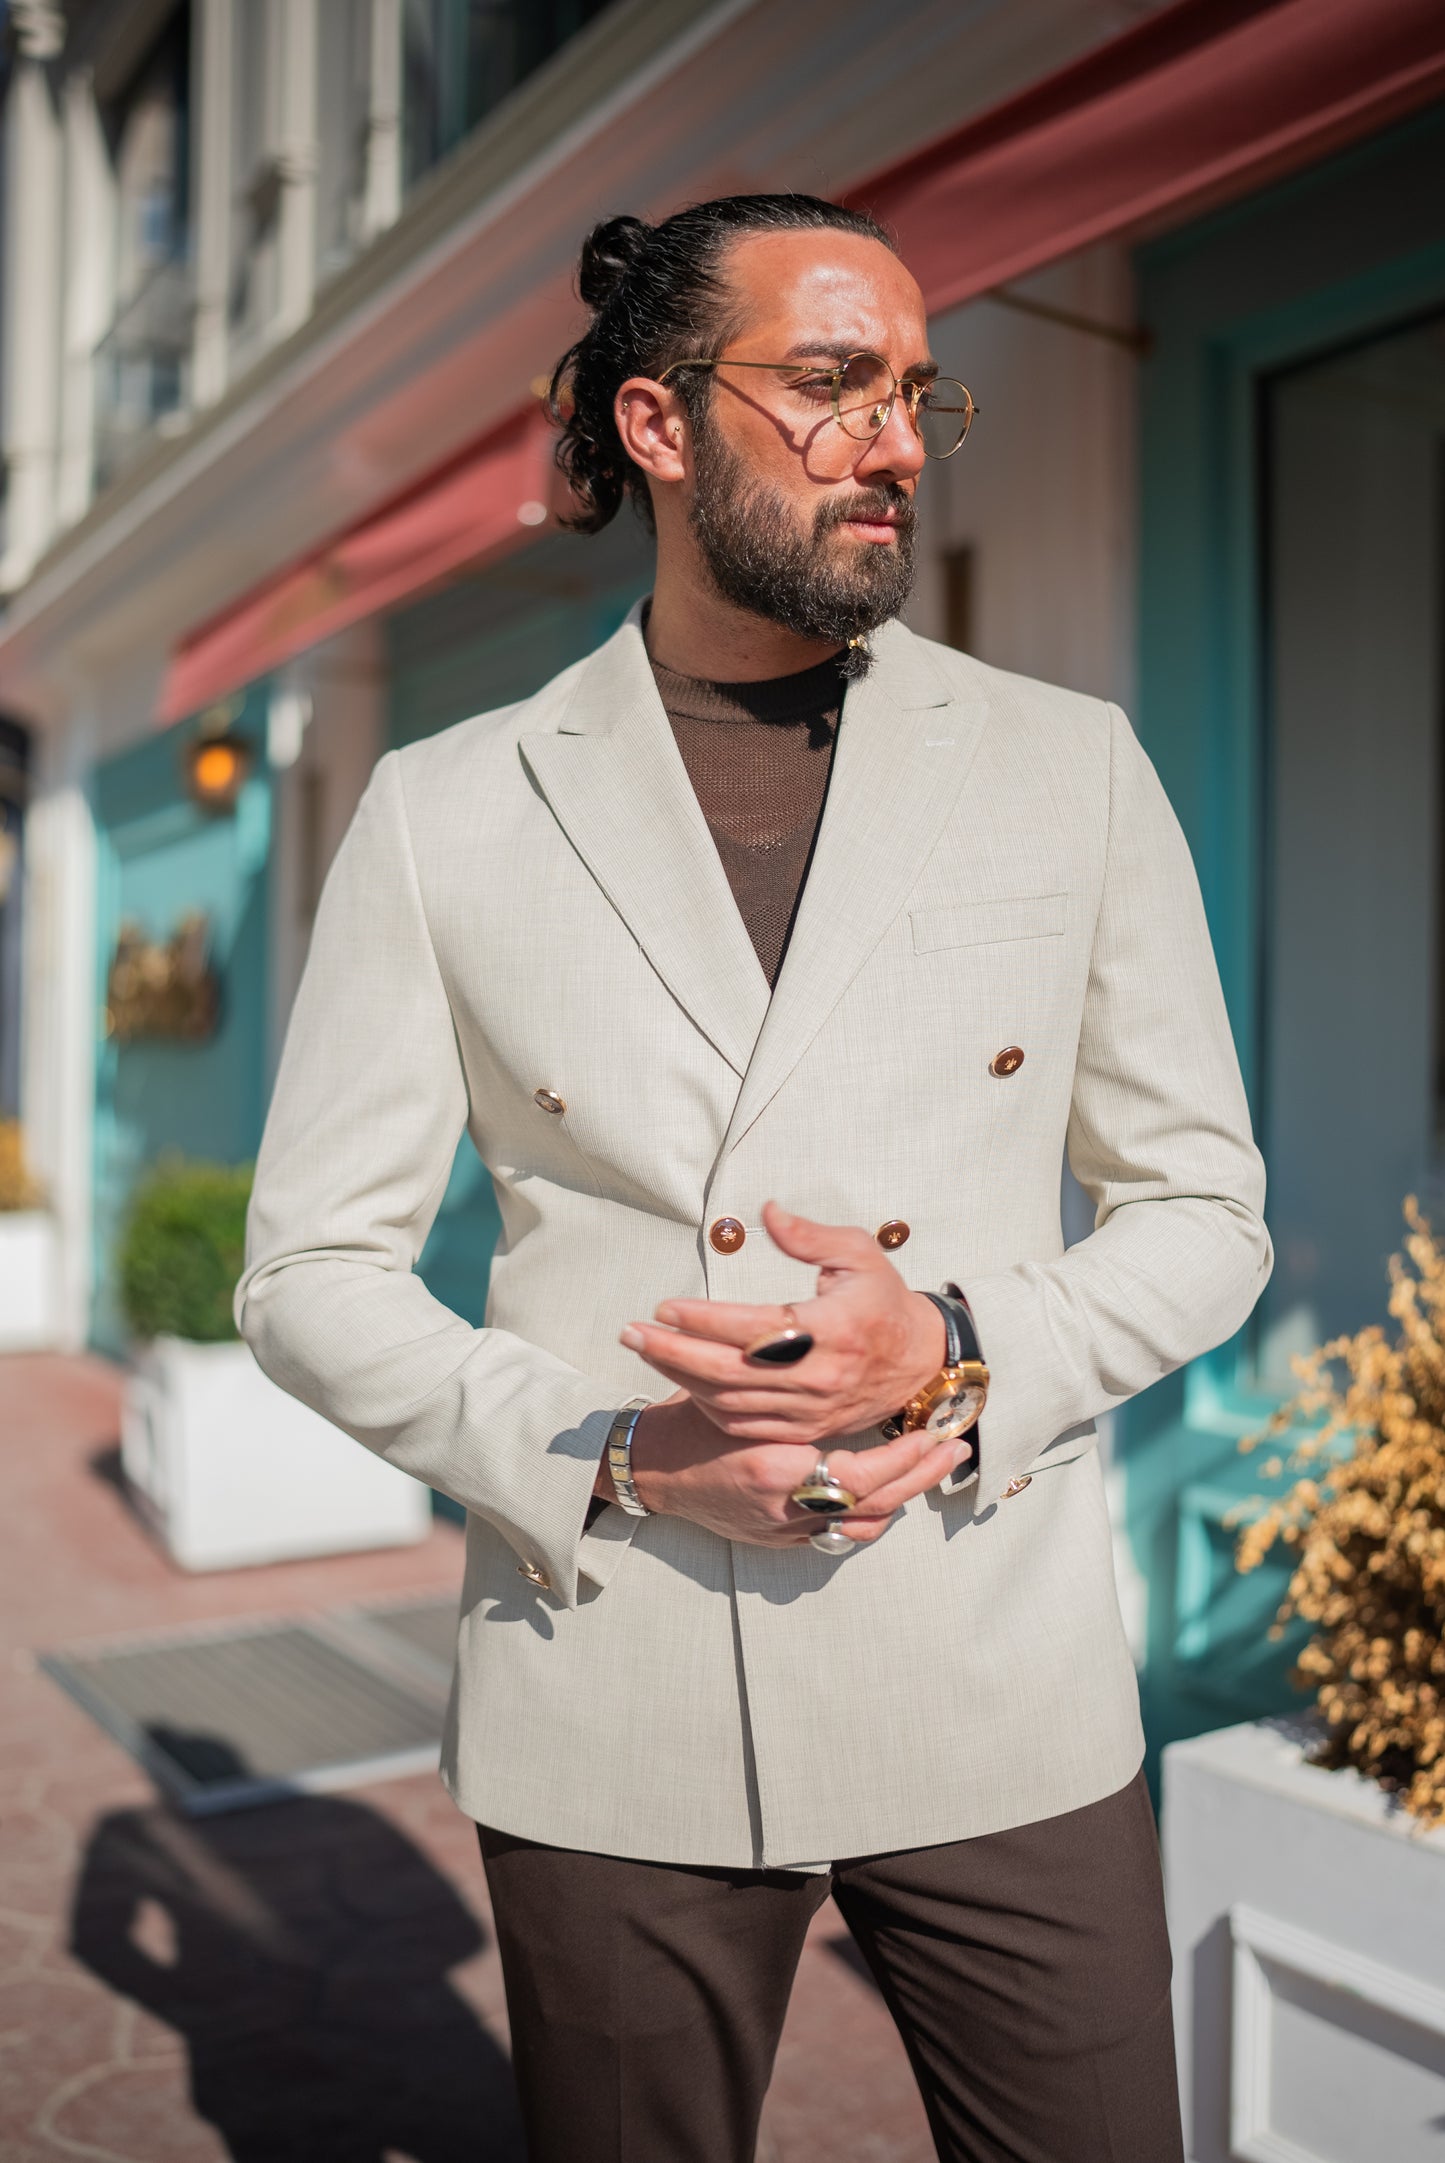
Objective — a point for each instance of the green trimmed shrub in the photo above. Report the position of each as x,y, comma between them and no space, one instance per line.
183,1249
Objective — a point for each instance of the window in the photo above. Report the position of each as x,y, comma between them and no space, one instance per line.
143,362
343,127
463,57
255,176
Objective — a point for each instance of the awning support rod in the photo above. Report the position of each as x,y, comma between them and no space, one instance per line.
1134,340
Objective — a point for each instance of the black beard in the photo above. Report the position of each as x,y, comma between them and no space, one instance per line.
760,561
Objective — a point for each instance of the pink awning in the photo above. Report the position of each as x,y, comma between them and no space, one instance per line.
1200,102
489,499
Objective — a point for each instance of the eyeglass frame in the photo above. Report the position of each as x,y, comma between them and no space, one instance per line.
913,391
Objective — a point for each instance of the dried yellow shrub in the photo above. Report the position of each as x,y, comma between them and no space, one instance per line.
1368,1533
17,1189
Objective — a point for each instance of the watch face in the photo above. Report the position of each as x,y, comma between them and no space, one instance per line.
955,1413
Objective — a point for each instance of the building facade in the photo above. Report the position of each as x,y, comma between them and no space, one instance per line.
278,282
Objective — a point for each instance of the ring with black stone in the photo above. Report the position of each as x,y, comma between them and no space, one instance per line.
824,1495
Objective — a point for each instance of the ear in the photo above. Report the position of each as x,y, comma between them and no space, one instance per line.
652,423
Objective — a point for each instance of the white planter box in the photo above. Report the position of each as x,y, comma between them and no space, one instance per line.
230,1470
29,1281
1308,1924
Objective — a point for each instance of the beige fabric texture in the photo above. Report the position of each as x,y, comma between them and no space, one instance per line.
532,900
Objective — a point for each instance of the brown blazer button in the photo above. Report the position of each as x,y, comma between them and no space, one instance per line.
1006,1062
547,1100
893,1233
534,1576
725,1235
1016,1487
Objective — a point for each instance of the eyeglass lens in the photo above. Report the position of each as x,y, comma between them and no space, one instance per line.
866,390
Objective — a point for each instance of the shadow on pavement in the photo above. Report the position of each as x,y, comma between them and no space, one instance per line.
303,1954
104,1465
845,1949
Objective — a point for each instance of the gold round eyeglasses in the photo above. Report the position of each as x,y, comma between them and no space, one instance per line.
862,390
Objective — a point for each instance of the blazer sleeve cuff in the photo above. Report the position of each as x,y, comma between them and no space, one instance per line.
604,1543
1027,1412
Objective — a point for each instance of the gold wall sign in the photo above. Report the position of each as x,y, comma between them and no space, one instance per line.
162,991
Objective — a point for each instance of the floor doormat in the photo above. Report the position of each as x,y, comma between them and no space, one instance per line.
425,1629
227,1717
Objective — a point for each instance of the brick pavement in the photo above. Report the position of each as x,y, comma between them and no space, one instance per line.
314,1982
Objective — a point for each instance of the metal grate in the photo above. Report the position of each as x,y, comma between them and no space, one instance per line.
253,1713
427,1628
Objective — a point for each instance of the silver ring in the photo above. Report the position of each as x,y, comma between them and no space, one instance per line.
832,1540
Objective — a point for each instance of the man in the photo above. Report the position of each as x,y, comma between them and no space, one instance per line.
769,898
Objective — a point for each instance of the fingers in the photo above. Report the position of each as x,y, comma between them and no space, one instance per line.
868,1472
836,1246
696,1363
873,1515
722,1321
933,1465
684,1358
842,1247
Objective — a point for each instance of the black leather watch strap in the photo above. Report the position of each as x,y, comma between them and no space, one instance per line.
954,1353
963,1313
962,1344
962,1337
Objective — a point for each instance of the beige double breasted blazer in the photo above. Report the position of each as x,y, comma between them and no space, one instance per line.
530,902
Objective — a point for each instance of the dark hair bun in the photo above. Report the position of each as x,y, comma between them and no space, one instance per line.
608,254
657,295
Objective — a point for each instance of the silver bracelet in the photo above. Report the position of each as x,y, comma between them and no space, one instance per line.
619,1458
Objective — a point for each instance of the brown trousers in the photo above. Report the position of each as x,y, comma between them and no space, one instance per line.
1027,1971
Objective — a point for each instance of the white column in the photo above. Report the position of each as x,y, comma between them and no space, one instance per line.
383,120
61,1002
345,684
294,29
89,297
213,33
30,309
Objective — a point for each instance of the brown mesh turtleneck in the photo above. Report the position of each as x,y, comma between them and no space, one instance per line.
759,755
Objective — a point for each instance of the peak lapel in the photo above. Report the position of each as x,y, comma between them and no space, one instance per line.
905,743
614,778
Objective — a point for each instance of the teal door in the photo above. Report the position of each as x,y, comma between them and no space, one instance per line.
1291,588
159,859
481,643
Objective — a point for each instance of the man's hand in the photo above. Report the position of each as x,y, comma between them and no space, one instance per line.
683,1467
875,1343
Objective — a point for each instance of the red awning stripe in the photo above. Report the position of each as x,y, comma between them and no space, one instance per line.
1201,102
477,507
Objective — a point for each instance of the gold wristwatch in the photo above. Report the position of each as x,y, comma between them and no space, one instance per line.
951,1402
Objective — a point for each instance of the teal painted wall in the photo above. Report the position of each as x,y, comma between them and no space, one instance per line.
1340,253
481,643
158,857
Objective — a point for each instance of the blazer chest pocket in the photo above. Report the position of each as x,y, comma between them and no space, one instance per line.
989,923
